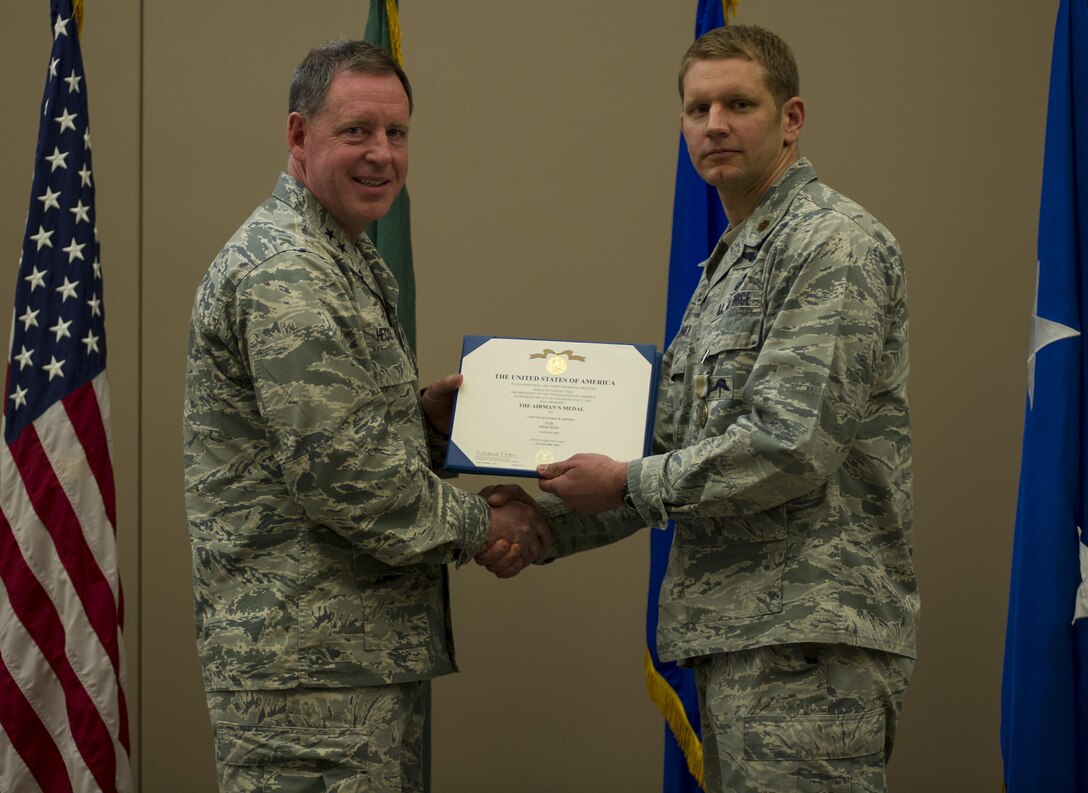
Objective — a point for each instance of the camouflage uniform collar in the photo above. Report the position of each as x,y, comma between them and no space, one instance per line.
754,229
299,198
776,201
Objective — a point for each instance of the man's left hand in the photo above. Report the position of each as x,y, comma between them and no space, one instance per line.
437,402
586,482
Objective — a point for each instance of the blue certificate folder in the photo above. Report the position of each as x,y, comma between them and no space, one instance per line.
526,401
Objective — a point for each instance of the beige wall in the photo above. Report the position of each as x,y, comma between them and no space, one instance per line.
543,154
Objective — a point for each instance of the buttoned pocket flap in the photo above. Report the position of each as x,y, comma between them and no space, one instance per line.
259,744
814,737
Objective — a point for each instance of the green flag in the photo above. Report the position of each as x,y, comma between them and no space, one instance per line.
392,235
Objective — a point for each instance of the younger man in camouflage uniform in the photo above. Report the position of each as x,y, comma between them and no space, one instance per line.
782,452
319,532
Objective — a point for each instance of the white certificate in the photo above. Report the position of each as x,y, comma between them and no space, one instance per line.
524,402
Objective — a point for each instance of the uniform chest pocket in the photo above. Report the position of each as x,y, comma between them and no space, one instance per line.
736,326
731,349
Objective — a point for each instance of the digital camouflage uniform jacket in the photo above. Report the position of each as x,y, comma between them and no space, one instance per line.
319,532
782,440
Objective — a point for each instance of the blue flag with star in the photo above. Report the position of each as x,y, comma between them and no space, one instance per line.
698,221
1044,693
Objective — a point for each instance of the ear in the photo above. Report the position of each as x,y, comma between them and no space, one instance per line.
793,113
296,136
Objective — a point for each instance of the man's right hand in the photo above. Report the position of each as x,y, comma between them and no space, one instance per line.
518,535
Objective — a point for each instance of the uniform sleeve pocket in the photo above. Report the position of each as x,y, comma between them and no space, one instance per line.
391,366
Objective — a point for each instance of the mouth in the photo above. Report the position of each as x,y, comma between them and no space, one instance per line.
371,182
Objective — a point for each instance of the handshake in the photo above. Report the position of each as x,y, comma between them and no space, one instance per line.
519,534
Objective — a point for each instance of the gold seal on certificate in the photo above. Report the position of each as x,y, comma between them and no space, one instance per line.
528,402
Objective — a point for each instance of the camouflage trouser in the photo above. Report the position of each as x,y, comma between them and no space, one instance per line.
320,740
799,718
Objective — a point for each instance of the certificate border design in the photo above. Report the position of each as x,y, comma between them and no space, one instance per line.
457,461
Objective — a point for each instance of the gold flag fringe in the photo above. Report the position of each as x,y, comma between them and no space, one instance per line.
77,12
393,17
657,687
668,702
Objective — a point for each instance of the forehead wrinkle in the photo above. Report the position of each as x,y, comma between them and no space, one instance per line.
715,84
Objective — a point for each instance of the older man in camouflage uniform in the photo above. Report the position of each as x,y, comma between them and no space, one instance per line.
782,452
319,532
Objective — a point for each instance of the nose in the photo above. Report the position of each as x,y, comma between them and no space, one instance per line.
717,120
379,151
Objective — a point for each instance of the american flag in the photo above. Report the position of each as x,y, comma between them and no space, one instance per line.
63,720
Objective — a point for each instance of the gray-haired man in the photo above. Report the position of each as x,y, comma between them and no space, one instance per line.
319,531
